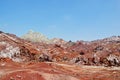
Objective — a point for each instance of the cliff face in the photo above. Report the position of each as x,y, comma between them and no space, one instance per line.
19,59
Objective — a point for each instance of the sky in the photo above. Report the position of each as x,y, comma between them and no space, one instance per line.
68,19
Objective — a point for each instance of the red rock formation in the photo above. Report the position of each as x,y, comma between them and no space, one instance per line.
15,48
24,60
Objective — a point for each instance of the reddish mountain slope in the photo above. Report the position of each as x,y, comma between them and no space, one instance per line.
24,60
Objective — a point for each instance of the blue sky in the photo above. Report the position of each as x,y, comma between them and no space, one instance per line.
67,19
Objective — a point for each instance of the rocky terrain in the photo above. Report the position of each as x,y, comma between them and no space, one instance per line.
56,59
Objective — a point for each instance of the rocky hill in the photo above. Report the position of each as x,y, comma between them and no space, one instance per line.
55,59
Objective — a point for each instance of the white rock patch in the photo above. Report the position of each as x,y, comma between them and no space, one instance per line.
10,51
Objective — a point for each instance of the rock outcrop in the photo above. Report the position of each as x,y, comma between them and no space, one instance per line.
16,49
60,60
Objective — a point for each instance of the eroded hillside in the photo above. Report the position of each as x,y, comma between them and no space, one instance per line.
59,59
